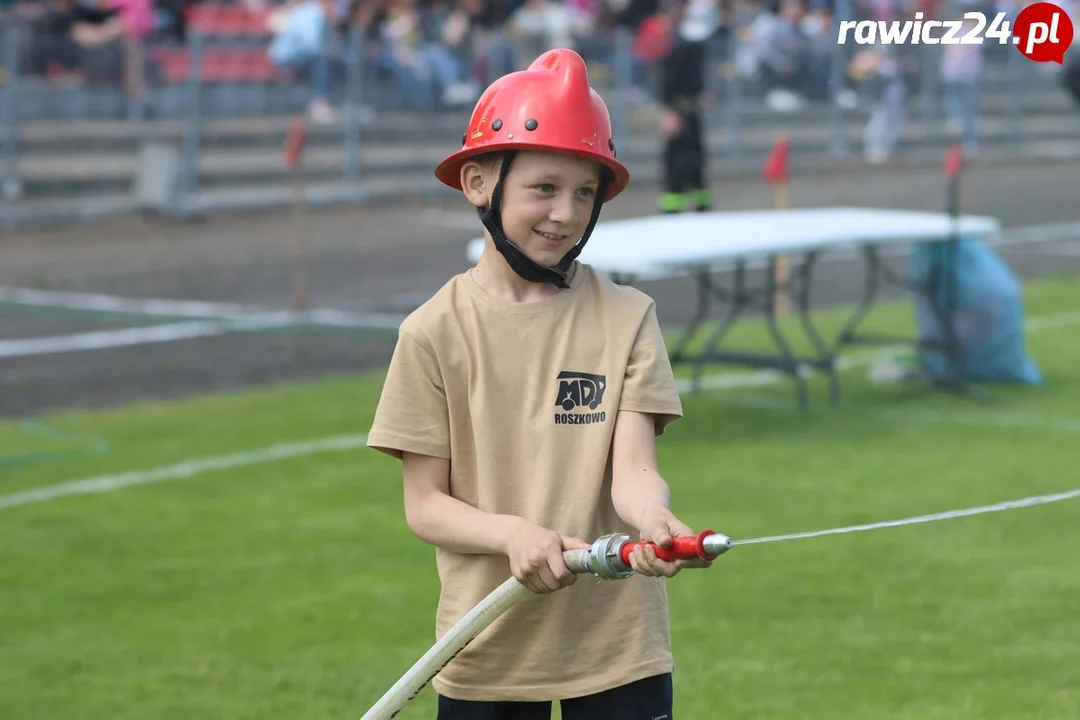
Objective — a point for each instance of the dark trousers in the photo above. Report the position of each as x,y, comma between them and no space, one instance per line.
647,699
684,166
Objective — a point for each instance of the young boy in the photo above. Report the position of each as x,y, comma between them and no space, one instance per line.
524,400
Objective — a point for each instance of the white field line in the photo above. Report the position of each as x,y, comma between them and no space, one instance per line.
1069,249
728,381
995,419
194,468
1037,234
126,337
759,378
947,515
1051,321
195,309
101,339
117,303
181,471
186,330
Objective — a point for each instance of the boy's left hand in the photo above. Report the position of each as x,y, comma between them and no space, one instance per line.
659,525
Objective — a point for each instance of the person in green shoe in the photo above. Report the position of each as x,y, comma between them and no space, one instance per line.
682,94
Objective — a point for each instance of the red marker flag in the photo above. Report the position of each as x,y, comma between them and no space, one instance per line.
954,161
775,168
294,143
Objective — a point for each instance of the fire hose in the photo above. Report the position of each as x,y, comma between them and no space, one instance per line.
607,558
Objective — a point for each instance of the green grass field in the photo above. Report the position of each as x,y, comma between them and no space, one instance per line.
293,589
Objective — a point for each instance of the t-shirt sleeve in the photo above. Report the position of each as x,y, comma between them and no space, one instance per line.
649,385
412,414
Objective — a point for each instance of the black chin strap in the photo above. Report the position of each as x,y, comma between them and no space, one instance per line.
522,264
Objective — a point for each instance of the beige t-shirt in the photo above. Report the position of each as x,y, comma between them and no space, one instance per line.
523,397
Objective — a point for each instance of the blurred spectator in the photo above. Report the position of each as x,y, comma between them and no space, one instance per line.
541,24
493,54
95,41
136,18
961,68
301,36
411,48
75,40
881,68
441,53
172,18
793,67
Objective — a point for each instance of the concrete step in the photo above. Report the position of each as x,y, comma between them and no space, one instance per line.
425,191
396,127
87,172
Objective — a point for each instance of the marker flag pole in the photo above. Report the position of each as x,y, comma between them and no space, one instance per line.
776,171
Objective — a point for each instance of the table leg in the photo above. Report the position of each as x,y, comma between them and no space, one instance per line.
847,334
826,360
704,286
741,297
737,301
790,363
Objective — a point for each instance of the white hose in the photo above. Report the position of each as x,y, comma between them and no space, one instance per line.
461,634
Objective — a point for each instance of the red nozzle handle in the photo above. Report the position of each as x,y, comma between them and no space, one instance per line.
685,547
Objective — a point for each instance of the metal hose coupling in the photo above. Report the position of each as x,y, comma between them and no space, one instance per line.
609,556
603,558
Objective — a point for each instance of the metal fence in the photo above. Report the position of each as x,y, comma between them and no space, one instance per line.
128,93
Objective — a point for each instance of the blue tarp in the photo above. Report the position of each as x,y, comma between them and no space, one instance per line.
989,313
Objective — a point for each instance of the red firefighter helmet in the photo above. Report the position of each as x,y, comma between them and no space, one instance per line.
549,106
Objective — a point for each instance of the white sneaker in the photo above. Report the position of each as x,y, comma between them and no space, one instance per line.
847,99
784,101
321,112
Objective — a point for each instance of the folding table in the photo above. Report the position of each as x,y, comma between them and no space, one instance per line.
706,244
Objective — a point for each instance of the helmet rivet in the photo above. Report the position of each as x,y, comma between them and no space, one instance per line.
510,136
530,124
611,144
497,125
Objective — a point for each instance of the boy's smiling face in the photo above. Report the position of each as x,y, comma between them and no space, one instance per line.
547,200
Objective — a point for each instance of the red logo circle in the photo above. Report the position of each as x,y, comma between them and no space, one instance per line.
1043,32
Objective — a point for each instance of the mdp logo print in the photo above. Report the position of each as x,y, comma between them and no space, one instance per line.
580,390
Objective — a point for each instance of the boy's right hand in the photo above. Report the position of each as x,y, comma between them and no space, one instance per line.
536,560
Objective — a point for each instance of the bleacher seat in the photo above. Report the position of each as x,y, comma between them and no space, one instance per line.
219,64
224,20
228,53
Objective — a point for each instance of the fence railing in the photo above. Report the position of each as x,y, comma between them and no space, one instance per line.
839,104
